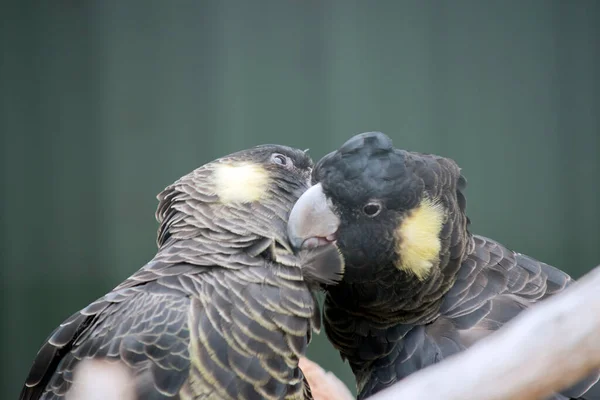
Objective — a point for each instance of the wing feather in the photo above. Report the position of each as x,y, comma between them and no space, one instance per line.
493,285
246,342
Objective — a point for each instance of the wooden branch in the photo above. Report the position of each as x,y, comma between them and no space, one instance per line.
324,385
543,350
101,380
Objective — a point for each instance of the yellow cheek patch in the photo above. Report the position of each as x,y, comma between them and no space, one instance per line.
418,243
240,183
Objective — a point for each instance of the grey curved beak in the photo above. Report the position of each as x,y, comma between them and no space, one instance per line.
312,222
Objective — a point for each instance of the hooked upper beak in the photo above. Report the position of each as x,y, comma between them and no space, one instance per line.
312,222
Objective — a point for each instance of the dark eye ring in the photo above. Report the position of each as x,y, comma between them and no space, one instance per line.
372,209
280,159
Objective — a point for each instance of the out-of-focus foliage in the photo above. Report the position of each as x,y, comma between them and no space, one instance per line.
103,104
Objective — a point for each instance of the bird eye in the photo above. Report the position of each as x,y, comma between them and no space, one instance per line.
280,159
372,209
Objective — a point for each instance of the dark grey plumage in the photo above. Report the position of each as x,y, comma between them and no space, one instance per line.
224,309
418,286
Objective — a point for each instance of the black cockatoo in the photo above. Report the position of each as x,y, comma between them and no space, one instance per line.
224,309
418,286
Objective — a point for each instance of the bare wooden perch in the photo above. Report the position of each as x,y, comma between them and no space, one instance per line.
545,349
324,385
101,380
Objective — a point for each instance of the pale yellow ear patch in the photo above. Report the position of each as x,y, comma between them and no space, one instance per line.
240,183
418,243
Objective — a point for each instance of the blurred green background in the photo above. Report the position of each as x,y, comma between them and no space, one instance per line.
103,104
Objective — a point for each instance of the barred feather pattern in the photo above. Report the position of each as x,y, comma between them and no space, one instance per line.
213,316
